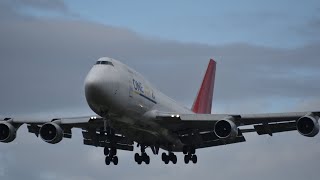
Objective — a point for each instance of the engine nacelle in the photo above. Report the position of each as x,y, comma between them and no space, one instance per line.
8,132
51,133
308,125
226,129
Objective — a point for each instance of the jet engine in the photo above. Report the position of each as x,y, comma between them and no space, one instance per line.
7,132
51,133
308,125
226,129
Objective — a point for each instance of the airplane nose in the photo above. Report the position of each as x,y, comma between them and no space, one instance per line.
93,88
99,89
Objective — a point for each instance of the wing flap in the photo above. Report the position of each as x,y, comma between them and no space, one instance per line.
99,139
206,122
64,121
219,142
209,139
124,147
251,119
275,128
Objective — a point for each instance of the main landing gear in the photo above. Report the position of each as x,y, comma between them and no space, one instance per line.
111,156
166,158
143,157
189,154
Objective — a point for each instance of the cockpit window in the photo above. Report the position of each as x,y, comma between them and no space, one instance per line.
105,63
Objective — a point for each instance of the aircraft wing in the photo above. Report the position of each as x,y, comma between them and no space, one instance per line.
92,127
202,130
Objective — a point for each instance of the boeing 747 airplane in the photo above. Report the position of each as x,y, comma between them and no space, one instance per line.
130,110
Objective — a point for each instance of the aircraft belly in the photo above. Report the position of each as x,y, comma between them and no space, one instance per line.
146,132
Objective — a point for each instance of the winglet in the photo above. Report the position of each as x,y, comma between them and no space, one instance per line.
203,101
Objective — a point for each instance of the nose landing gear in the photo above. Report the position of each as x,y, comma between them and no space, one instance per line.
110,152
111,156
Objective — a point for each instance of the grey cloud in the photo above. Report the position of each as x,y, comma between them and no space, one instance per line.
12,10
7,11
315,25
36,55
310,29
57,5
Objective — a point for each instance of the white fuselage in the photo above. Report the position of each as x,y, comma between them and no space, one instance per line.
114,90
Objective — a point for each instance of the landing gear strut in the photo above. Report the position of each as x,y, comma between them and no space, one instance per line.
190,155
110,153
143,157
111,156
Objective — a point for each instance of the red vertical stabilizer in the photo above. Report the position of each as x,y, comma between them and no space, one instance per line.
203,102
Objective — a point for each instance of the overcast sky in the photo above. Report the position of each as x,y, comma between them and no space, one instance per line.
268,61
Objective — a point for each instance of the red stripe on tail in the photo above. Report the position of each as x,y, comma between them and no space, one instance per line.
203,101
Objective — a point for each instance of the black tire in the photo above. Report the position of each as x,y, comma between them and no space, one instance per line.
171,155
174,159
163,156
147,160
115,160
113,151
194,159
106,151
108,160
139,161
136,157
186,159
166,161
144,156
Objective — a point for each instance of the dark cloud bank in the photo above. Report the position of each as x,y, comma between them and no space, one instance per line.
44,62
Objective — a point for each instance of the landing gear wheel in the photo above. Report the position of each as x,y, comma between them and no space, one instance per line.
108,160
139,161
136,157
186,159
194,159
113,151
115,160
106,151
163,156
170,157
141,158
147,160
174,159
166,161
